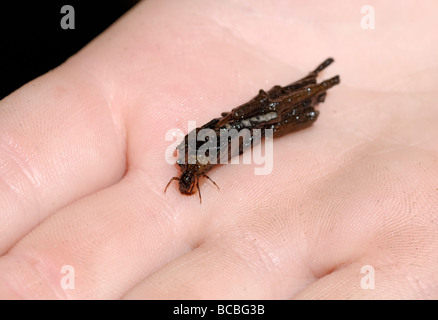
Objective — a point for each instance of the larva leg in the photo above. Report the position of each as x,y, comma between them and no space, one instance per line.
174,178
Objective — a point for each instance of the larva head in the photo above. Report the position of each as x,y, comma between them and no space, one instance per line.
187,183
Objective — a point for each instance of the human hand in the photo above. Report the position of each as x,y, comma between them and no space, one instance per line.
82,167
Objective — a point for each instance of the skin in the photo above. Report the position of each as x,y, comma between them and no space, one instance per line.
82,166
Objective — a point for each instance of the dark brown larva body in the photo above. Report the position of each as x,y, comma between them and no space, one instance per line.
282,109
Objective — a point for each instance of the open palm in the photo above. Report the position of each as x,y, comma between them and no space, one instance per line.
350,209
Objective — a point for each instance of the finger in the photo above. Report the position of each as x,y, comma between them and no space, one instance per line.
223,270
56,145
112,240
104,242
372,279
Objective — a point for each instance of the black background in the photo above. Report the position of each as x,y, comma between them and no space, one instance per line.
32,41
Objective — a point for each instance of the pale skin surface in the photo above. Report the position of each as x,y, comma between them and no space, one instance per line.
82,167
